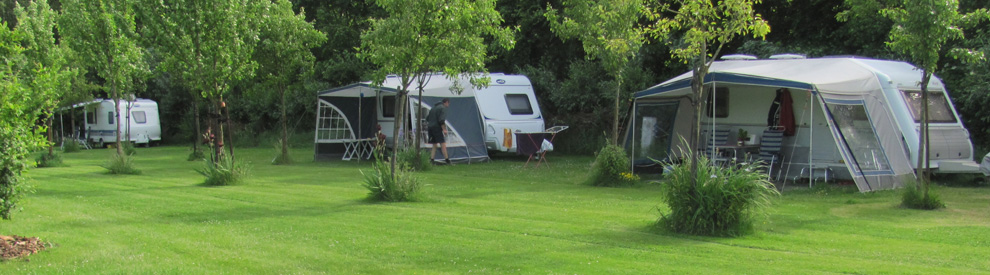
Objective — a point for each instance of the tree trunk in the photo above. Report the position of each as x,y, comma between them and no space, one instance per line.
218,135
697,85
285,127
230,130
199,130
419,119
696,125
399,113
51,134
615,119
72,117
924,142
116,114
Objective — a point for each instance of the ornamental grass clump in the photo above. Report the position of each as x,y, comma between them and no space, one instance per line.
723,202
223,172
913,198
121,165
385,187
611,168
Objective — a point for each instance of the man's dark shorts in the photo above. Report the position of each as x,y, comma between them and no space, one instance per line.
436,135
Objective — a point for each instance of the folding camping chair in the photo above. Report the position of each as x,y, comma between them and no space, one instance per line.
770,145
721,137
537,144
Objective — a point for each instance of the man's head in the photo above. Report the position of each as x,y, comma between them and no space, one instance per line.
446,102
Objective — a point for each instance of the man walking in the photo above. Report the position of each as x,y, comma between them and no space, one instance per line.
436,126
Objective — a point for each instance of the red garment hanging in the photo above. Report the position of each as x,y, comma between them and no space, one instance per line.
787,113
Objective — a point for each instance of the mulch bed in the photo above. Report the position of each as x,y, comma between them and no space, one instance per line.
12,247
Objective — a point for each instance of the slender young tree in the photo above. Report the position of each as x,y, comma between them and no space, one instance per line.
610,31
284,57
36,27
424,36
208,45
103,33
697,30
922,28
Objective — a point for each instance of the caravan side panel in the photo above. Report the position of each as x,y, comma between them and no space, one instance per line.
508,105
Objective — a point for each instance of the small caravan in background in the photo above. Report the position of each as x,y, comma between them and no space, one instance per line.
99,123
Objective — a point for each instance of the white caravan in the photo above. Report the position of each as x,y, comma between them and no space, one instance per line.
142,122
480,119
508,106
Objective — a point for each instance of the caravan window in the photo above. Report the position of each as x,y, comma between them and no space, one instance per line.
518,104
90,117
139,117
721,100
388,106
938,108
853,121
110,118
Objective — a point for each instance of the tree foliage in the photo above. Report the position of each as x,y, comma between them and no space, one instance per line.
208,46
36,27
20,107
921,31
692,29
609,31
104,35
284,57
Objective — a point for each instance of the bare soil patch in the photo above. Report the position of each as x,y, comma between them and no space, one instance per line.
12,247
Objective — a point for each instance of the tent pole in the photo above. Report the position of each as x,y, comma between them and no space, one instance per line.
632,147
714,106
811,140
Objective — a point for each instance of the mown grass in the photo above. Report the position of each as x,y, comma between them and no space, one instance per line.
492,218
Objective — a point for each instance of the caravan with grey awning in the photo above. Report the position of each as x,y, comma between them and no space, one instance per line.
853,118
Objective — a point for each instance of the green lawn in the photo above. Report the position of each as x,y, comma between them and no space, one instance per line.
492,218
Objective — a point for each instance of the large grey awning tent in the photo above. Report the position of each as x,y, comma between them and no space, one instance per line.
850,115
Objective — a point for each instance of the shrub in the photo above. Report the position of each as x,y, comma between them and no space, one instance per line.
914,199
723,202
611,168
196,155
414,161
71,146
50,160
121,165
224,171
384,187
128,148
280,159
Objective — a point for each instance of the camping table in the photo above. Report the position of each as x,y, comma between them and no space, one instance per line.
532,144
736,149
356,148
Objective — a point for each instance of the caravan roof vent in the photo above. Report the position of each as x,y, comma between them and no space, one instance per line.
787,56
738,57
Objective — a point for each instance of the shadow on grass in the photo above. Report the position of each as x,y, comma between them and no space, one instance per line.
246,213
